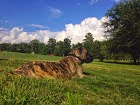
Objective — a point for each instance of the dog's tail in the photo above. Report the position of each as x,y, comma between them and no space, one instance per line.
17,73
22,71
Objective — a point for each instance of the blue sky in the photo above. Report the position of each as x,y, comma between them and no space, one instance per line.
51,15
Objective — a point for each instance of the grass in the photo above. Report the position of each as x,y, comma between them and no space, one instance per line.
105,84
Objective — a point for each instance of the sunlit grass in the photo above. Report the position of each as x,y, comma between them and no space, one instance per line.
27,56
105,83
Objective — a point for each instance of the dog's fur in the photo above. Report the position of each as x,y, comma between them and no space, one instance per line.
68,67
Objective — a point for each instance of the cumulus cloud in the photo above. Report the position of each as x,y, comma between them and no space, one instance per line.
75,32
18,35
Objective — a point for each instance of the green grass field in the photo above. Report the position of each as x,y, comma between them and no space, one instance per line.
105,84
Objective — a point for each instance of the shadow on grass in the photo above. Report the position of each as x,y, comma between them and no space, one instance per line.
124,63
86,74
3,59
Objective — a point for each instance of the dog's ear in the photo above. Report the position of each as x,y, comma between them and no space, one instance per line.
82,52
77,51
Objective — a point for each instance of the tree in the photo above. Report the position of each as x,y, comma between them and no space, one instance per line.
124,31
88,42
77,45
24,48
50,46
96,49
67,46
100,50
63,47
5,46
35,46
41,47
14,47
59,48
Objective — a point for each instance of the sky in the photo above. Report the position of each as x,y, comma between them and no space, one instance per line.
26,20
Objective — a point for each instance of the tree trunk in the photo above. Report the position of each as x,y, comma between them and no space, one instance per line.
135,61
138,60
135,58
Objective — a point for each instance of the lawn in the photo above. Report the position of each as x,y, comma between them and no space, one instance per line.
105,84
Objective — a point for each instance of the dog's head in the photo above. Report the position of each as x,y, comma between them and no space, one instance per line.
82,54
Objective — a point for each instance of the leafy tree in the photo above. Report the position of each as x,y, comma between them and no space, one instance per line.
24,48
14,47
63,47
77,45
35,46
5,46
41,48
100,50
124,31
51,46
104,53
67,46
96,49
88,42
59,48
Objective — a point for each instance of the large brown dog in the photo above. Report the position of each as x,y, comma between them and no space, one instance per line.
68,67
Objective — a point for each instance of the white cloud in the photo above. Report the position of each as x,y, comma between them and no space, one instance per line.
17,35
55,12
75,32
37,26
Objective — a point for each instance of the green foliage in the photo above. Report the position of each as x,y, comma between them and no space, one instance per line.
24,48
51,46
34,46
67,46
59,48
63,47
77,45
88,42
124,28
105,83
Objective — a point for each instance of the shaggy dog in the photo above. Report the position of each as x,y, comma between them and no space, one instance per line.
70,66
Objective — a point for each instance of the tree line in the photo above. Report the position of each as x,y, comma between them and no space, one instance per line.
99,49
122,37
52,47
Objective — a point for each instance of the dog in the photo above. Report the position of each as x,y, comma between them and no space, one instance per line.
70,66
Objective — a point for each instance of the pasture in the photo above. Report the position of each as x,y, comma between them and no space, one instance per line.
105,84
